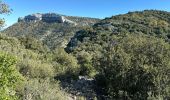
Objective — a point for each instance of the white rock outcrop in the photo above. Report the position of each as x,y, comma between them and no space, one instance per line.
33,17
47,17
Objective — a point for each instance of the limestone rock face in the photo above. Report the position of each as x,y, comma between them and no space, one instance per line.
52,17
33,17
47,17
58,18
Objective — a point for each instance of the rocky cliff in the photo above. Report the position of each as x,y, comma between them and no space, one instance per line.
47,17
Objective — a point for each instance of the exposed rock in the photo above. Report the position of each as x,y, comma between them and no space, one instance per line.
47,17
33,17
52,17
84,87
74,41
70,22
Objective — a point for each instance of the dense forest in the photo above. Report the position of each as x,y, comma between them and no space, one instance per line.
123,57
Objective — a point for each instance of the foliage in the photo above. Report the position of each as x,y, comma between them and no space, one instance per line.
9,77
86,66
36,69
151,22
33,44
43,89
128,55
136,66
65,63
4,9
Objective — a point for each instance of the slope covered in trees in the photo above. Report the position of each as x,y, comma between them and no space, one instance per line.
150,22
124,57
34,70
129,55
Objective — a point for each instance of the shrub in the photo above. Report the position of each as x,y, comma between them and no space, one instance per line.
43,89
9,77
65,63
138,66
86,66
36,69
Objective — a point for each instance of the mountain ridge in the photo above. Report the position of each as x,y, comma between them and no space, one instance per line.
55,30
55,17
149,22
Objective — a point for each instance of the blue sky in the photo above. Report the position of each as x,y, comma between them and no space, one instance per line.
86,8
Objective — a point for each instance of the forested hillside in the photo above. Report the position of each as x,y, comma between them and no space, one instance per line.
149,22
123,57
127,54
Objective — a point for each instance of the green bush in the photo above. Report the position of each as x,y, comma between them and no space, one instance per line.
137,67
36,69
32,43
65,63
43,89
9,77
86,65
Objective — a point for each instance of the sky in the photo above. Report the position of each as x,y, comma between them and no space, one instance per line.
85,8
